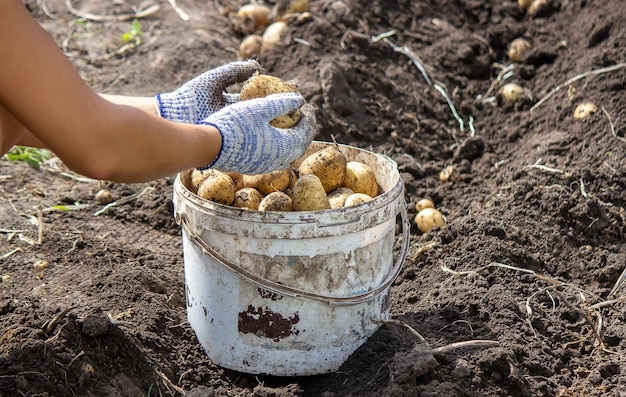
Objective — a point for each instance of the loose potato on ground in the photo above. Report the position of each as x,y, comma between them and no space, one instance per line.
251,17
248,197
338,197
218,187
424,203
584,110
360,178
262,85
357,198
428,218
250,46
103,196
270,182
509,93
517,49
329,164
284,8
276,201
309,194
273,34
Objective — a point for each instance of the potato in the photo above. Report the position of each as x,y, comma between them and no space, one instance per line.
509,94
262,85
428,218
329,164
250,46
309,194
338,197
251,17
424,203
517,49
276,201
103,196
584,110
447,173
538,8
198,176
273,34
218,187
248,197
284,9
237,178
275,181
360,178
357,198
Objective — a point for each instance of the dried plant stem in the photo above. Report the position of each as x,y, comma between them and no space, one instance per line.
612,126
153,9
468,343
576,78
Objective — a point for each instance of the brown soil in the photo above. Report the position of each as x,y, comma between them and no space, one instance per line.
531,256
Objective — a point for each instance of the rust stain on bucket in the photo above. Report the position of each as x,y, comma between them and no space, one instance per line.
266,323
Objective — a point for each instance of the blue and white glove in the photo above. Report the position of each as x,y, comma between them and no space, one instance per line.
250,145
204,95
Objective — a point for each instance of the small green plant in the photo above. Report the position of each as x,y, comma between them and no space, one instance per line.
149,390
134,33
31,156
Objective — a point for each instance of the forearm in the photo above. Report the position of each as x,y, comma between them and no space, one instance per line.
13,132
143,103
133,146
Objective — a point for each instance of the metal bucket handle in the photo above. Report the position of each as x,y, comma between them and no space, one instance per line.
285,290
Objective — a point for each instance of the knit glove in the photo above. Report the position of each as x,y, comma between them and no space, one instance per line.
204,95
250,145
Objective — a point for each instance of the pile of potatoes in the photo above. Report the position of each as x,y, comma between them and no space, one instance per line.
324,180
263,27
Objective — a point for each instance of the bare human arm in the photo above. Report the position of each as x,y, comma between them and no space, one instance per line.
45,103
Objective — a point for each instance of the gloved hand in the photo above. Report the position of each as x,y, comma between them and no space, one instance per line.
204,95
250,145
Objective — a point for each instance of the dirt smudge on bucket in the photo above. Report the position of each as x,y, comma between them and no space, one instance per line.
266,323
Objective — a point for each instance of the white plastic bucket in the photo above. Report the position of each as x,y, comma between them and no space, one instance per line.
290,293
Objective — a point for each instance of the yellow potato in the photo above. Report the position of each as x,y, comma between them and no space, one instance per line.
237,178
538,8
309,194
251,17
250,46
329,164
585,110
285,9
218,187
360,178
276,201
518,49
509,94
248,197
428,218
273,34
275,181
357,198
198,176
103,196
338,197
262,85
424,203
